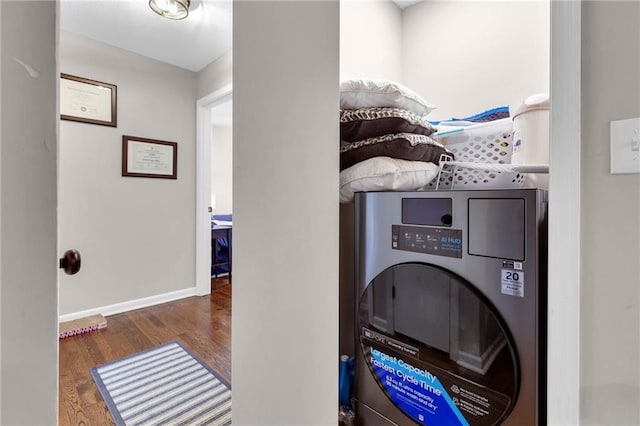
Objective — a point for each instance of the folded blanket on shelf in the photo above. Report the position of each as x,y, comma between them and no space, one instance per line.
403,146
364,123
384,138
482,117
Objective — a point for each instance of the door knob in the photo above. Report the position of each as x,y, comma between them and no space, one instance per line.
70,262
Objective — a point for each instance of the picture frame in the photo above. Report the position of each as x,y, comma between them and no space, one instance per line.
88,101
150,158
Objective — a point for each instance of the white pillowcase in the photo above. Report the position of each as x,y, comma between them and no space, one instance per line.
356,94
385,174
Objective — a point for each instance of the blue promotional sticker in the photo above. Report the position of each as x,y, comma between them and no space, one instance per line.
416,391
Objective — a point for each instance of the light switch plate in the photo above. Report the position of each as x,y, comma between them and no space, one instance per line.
625,146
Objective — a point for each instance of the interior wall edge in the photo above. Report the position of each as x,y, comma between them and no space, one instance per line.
563,357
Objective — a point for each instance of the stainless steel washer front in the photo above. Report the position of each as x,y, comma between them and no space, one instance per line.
450,307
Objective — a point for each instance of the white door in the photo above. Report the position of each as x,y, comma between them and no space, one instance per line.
28,224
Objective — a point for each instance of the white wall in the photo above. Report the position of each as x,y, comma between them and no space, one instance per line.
370,47
136,235
370,40
468,56
610,325
222,169
28,249
216,75
285,272
463,56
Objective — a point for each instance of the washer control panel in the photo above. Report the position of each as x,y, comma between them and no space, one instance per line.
438,241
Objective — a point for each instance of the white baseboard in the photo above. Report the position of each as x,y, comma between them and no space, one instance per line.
118,308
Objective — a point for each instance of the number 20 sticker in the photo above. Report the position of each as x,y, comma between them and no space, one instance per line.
513,282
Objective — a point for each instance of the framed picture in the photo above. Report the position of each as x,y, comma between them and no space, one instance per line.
142,157
88,101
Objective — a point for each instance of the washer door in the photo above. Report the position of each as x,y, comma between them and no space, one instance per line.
437,348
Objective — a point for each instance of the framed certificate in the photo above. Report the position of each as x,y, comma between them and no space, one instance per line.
142,157
88,101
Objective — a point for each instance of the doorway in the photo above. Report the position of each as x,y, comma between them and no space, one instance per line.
213,185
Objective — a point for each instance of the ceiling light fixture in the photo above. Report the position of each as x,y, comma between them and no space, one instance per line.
172,9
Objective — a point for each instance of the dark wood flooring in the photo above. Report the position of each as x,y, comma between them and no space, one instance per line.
203,324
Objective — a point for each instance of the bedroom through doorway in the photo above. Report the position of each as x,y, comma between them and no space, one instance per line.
214,187
221,190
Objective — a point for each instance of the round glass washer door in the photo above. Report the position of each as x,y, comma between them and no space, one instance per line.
437,347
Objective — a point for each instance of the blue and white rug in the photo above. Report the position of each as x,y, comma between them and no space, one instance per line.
165,385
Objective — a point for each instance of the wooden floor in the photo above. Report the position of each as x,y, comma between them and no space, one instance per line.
203,324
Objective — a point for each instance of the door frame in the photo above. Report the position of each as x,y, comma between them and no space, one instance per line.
204,139
564,257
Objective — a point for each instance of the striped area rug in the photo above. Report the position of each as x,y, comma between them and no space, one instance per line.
165,385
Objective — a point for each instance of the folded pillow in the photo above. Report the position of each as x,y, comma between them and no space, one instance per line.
364,123
385,174
356,94
404,146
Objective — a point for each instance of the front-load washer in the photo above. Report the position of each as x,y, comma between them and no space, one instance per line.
450,308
